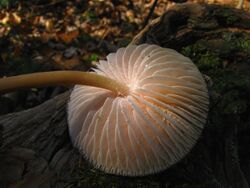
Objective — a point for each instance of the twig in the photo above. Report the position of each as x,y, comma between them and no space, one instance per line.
150,13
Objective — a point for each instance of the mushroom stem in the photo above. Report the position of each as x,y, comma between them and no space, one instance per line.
9,84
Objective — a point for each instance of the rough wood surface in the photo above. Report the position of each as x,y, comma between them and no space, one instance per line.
35,149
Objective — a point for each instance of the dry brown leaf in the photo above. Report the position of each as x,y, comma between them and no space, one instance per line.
69,36
35,20
5,19
70,11
15,19
2,15
63,63
49,25
10,18
45,36
4,31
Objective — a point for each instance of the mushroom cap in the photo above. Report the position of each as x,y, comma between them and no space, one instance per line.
152,127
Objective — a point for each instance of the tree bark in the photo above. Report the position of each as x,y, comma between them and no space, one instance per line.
35,148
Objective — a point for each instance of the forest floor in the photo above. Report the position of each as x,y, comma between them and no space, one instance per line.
43,35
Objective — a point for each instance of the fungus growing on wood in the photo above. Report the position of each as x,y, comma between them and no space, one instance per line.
140,112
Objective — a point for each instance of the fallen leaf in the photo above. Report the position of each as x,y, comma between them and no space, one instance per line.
49,25
63,63
5,19
69,36
4,31
15,19
45,36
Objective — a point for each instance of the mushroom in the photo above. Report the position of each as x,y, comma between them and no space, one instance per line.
140,112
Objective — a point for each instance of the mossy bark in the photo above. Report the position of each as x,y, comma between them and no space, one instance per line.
36,150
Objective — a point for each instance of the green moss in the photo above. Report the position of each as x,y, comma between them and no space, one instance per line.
201,55
215,54
94,57
208,61
187,51
198,48
244,44
226,16
230,82
237,41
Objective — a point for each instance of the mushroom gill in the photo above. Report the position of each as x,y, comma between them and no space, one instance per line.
150,128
